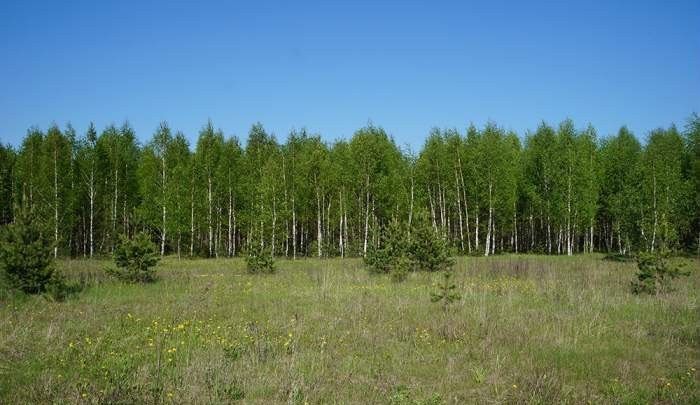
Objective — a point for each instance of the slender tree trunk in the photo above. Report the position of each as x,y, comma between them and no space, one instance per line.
364,248
490,223
115,205
229,249
319,238
432,211
92,210
192,219
294,230
653,236
209,215
459,210
476,228
274,221
162,236
55,200
410,209
340,225
568,214
234,236
515,226
345,230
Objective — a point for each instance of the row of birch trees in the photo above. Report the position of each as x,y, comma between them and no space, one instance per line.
556,190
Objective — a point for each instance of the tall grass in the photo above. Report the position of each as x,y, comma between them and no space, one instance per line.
527,329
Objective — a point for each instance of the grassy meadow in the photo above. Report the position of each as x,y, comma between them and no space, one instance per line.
528,329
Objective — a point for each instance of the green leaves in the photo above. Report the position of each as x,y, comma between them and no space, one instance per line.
26,254
562,191
135,259
429,250
446,293
655,273
260,260
401,251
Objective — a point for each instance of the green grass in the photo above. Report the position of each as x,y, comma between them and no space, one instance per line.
527,329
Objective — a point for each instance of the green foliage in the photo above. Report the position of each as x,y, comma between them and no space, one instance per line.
402,395
391,253
429,251
446,293
400,269
260,260
562,191
59,288
399,253
26,255
655,272
135,259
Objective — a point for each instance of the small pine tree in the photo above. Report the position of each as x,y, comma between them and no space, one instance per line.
446,291
135,259
399,272
260,260
391,256
429,251
655,272
26,255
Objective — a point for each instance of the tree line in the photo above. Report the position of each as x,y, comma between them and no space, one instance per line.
558,190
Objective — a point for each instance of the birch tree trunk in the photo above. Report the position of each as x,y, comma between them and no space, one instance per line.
490,223
653,235
476,229
162,236
209,214
192,219
459,210
364,248
229,248
92,210
55,201
319,232
568,213
294,230
274,221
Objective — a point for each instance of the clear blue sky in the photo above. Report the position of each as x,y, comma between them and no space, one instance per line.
332,66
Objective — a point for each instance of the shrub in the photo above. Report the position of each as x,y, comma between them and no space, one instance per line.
26,255
655,272
391,256
429,251
60,289
399,272
446,291
260,260
135,259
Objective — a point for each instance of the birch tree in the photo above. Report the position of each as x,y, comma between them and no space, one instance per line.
56,167
207,155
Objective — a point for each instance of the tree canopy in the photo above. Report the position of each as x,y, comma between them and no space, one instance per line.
558,190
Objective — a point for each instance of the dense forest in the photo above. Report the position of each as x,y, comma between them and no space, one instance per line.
557,190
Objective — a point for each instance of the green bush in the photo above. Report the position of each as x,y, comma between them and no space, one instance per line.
399,271
26,255
391,253
135,259
429,251
60,289
260,260
655,272
399,252
446,291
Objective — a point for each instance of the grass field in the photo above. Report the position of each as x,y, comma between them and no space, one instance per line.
527,329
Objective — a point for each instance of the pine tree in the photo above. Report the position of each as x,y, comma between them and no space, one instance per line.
26,254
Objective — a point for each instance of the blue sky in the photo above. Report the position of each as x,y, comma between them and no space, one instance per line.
332,66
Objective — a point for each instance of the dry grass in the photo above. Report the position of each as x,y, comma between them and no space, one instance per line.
528,329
